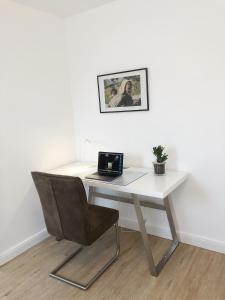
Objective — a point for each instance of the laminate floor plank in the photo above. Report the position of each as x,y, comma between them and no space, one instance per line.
190,274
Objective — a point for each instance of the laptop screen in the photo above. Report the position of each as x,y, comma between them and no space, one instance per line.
110,163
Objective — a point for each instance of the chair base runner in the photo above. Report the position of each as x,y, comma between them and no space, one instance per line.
97,275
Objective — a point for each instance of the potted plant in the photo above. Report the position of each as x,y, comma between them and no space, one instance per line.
161,157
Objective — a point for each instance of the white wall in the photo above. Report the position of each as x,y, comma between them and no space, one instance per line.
182,43
36,131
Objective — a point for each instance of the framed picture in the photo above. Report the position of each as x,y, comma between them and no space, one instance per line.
123,91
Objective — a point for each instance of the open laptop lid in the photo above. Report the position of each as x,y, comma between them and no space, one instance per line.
110,163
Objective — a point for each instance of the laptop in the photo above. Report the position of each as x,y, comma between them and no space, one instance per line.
110,166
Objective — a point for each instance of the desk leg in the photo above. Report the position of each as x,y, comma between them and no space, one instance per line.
170,218
156,269
144,235
90,194
174,242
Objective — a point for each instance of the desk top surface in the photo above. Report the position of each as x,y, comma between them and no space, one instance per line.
149,185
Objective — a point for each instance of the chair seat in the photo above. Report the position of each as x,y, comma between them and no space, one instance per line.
100,220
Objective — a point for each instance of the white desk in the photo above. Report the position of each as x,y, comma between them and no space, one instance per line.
141,192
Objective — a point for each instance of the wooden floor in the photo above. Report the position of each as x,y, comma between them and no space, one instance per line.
191,273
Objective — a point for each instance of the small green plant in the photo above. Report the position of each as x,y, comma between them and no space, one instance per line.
160,156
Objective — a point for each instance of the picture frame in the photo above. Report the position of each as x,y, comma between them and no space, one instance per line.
124,91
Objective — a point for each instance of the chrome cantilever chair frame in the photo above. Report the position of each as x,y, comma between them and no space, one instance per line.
98,274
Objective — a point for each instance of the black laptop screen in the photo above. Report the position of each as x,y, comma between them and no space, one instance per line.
110,163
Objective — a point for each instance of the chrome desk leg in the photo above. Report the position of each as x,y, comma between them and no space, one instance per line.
155,269
90,194
144,235
174,242
98,274
170,218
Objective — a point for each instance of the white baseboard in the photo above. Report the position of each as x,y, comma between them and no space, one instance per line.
164,232
184,237
22,246
203,242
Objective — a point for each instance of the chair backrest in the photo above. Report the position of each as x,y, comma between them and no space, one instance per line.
64,205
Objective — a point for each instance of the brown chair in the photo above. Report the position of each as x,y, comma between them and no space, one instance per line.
69,216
